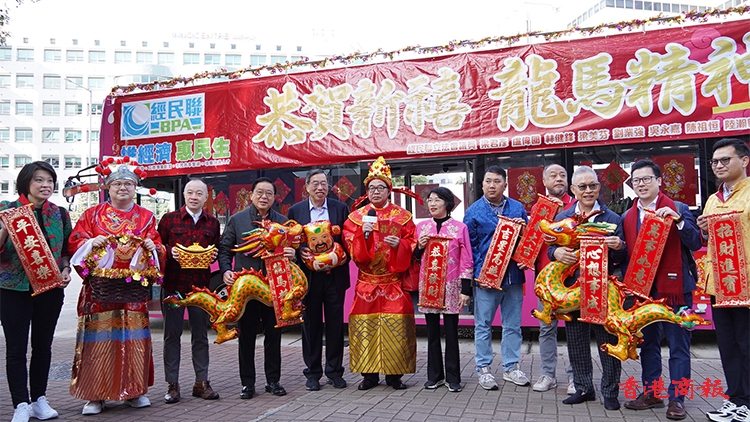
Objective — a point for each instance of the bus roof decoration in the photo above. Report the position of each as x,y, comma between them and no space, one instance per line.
112,169
380,170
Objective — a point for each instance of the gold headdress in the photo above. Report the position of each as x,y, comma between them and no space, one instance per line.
380,170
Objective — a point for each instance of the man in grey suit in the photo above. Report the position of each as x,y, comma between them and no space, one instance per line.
326,289
263,196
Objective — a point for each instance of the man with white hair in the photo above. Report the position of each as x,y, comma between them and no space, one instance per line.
585,186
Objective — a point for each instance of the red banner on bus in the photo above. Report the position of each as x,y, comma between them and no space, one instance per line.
658,85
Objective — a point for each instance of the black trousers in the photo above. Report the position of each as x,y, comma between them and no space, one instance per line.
19,312
733,338
256,314
434,351
324,299
579,352
173,319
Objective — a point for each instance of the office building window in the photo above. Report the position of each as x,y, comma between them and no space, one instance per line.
94,137
96,109
165,58
257,60
212,46
50,135
4,81
4,162
75,41
25,40
212,59
144,57
50,108
97,43
52,55
299,48
96,83
191,45
22,160
53,160
5,186
24,134
233,46
257,47
93,160
123,43
72,162
24,81
96,56
144,43
52,82
5,135
52,41
24,108
6,54
73,82
166,44
191,58
233,59
123,57
278,59
295,58
25,55
73,109
72,135
74,56
278,48
4,107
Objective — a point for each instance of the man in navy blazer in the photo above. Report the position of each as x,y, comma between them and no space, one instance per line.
326,289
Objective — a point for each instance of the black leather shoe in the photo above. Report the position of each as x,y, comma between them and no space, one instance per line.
397,385
276,389
611,403
338,382
366,384
312,385
580,397
248,391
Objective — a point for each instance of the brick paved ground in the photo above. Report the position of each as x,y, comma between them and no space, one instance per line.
379,404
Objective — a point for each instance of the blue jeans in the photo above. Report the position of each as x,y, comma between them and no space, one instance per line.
486,302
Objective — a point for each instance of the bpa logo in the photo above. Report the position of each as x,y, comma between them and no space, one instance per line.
163,117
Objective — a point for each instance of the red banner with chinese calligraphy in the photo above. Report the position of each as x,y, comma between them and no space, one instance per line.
679,177
435,274
36,257
279,278
647,252
560,94
729,264
593,279
524,184
499,253
533,238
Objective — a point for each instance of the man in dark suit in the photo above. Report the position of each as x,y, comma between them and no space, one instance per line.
326,289
263,196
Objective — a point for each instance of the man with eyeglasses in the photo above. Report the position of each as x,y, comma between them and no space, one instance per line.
380,238
326,289
673,281
585,186
481,219
729,163
263,197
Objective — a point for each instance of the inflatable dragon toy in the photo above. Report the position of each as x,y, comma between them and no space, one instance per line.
557,299
251,284
627,324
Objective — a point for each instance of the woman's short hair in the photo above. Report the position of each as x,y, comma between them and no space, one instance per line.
23,181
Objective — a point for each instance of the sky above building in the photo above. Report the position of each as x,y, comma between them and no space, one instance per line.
363,26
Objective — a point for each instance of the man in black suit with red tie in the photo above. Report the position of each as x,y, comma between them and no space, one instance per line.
326,289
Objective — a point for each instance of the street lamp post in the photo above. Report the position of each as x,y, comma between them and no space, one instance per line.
91,115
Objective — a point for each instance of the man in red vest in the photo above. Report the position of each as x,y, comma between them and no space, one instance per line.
674,282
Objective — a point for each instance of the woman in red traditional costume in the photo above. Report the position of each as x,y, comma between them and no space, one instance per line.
113,348
380,239
457,273
18,308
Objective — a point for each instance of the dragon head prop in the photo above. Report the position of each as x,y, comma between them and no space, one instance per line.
270,238
566,232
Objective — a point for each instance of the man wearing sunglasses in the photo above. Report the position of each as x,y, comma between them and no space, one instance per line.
585,186
673,281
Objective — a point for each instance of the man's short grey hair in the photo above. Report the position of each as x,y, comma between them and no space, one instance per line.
547,167
580,171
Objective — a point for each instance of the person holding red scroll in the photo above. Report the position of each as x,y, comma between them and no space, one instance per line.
20,310
731,157
459,269
113,359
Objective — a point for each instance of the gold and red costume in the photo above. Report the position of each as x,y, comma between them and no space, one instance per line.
113,358
382,336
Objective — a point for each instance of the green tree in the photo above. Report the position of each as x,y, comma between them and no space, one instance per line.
5,18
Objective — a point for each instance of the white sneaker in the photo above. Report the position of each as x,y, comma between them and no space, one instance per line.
545,383
741,414
23,413
571,388
486,380
42,410
516,376
141,401
92,408
724,414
